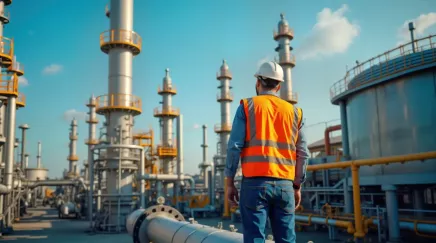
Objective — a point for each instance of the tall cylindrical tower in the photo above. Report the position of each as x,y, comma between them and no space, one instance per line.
224,97
23,128
119,106
167,151
73,158
283,36
204,165
92,140
38,156
9,95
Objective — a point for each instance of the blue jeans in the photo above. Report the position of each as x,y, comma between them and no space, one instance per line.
264,197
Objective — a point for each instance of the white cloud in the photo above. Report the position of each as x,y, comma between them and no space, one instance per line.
421,23
332,33
73,113
196,126
52,69
22,81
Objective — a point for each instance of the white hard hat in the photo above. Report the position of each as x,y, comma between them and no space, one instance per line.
271,70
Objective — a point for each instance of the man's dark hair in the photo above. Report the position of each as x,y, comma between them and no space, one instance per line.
268,83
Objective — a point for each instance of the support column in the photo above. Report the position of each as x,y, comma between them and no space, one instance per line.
348,199
418,201
392,210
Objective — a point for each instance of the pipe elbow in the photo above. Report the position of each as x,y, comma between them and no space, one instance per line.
350,228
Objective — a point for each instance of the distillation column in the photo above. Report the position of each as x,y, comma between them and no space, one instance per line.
91,141
8,96
283,36
73,158
167,151
205,164
224,97
119,106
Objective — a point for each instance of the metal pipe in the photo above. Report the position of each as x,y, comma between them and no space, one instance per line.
54,183
10,142
322,220
23,128
38,156
91,185
204,165
179,157
142,182
412,37
327,132
26,160
392,211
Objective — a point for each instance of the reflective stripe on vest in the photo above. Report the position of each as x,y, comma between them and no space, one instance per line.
262,155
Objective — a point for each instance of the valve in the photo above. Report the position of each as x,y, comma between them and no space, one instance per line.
160,200
233,228
220,225
270,237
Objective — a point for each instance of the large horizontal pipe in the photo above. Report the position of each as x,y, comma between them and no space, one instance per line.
162,229
54,183
332,222
421,227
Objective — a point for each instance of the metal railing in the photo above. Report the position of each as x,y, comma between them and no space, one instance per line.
170,111
166,150
227,96
8,84
119,101
21,99
17,67
6,46
5,14
167,88
387,64
121,36
91,141
73,137
283,31
288,58
222,127
73,157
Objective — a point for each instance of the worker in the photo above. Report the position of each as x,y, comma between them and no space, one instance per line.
267,135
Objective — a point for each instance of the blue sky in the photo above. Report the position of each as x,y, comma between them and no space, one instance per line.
58,42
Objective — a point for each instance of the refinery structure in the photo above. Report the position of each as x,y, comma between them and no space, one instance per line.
374,182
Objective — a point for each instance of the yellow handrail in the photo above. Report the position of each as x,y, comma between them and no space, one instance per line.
355,164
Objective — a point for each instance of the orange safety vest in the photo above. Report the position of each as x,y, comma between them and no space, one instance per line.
272,126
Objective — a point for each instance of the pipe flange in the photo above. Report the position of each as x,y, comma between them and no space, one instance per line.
150,213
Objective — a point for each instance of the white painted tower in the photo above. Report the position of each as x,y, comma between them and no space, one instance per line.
204,165
167,151
283,36
73,158
119,107
224,97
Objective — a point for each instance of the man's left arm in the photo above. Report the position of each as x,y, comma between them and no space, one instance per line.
302,157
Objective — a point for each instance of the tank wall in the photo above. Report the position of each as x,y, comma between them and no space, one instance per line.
394,118
34,174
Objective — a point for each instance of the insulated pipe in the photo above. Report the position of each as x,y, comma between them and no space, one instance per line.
164,224
38,156
327,132
54,183
415,226
162,229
